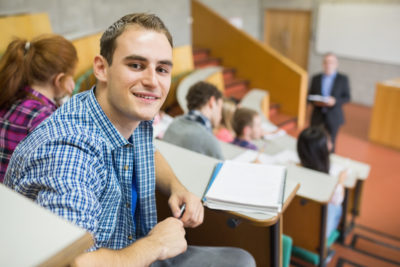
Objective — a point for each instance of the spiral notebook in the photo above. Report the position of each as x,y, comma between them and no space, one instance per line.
246,187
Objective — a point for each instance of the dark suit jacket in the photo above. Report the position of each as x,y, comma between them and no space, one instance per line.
340,90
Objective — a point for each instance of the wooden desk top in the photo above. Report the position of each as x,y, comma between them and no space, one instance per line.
194,170
34,236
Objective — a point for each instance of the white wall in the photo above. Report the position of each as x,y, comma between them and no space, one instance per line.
79,17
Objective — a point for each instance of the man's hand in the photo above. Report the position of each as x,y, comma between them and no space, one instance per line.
170,235
194,212
331,102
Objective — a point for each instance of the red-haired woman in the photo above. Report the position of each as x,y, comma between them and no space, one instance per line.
34,76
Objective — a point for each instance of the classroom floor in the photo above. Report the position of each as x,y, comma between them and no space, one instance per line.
375,239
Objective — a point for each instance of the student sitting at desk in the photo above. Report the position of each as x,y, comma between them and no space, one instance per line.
33,77
225,132
193,131
93,161
313,147
247,126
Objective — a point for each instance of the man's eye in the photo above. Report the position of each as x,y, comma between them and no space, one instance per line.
136,66
163,70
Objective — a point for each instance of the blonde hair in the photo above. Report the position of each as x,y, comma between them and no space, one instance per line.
228,109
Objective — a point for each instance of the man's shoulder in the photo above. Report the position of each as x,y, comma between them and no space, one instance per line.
181,126
341,75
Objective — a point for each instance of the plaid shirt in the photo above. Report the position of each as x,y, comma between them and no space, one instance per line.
19,120
80,167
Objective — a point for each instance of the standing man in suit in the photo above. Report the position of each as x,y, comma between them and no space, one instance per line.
335,87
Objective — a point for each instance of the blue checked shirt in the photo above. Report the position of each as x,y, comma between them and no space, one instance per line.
79,166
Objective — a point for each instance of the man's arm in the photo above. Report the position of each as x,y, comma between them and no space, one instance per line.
168,183
165,240
344,96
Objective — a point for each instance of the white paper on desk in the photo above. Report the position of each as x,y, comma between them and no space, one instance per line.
273,136
286,157
251,156
248,187
268,127
318,98
336,168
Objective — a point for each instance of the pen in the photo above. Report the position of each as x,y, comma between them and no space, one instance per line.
182,210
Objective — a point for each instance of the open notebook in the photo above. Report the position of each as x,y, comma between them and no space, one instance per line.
246,187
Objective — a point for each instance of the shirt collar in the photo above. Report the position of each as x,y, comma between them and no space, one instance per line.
197,116
46,101
332,76
103,122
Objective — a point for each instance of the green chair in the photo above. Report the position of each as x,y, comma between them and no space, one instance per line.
85,80
313,257
287,243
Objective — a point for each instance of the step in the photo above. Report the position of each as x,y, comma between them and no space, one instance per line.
284,121
200,53
229,74
207,62
236,88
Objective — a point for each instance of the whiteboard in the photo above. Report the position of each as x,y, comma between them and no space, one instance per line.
360,31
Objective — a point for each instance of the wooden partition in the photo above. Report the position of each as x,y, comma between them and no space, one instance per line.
87,48
261,65
22,26
385,127
182,60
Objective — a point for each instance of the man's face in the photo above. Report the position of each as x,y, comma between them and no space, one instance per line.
139,77
330,64
217,113
256,129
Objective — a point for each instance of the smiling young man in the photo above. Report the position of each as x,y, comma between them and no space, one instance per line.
93,162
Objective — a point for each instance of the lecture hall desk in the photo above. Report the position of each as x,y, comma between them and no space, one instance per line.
30,235
258,234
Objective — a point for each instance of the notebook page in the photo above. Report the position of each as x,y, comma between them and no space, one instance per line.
253,184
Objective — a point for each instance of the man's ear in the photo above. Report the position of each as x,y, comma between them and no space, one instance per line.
247,130
211,102
100,67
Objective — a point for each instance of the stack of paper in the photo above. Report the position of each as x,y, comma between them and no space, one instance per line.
275,135
286,157
246,187
251,156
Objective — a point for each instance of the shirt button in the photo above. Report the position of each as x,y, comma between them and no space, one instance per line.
126,167
130,237
128,205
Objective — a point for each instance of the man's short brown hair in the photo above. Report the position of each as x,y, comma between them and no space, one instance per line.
142,20
243,117
199,94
